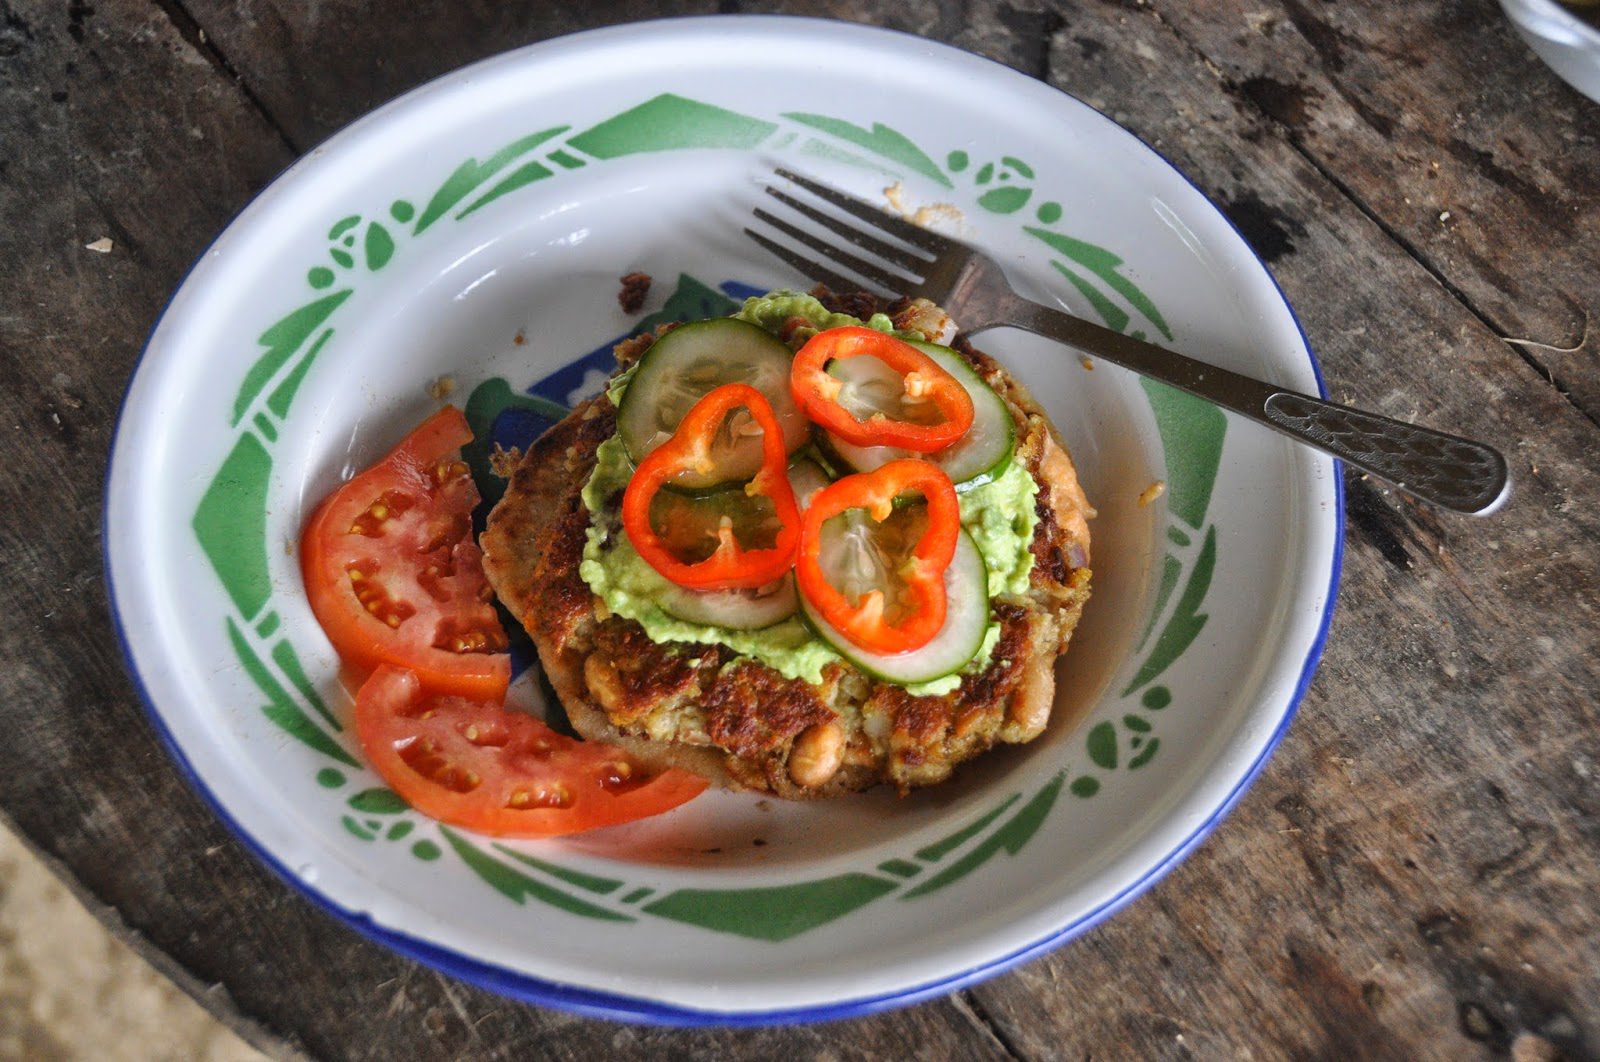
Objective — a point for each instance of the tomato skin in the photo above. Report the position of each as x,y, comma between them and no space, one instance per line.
864,622
818,393
400,532
471,763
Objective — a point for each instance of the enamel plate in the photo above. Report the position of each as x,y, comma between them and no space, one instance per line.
471,234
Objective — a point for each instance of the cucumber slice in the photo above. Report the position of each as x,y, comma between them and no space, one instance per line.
688,363
977,458
688,522
735,610
966,584
806,477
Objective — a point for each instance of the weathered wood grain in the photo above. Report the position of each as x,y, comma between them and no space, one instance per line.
1414,873
1451,133
1411,875
317,68
103,119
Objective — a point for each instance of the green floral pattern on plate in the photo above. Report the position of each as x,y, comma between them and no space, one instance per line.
230,522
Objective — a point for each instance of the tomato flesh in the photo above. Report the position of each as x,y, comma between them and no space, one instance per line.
473,764
393,574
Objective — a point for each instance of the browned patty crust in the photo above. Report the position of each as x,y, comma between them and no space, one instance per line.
741,722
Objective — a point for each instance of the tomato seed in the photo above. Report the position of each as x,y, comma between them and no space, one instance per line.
390,504
615,774
424,758
446,471
453,636
373,598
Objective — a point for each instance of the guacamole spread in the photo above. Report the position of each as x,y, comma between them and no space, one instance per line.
999,515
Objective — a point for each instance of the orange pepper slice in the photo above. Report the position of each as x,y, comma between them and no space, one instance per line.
730,565
817,393
866,622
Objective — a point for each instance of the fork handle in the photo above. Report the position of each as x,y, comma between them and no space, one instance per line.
1456,473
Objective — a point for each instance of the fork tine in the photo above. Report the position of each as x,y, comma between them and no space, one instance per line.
895,284
813,270
915,235
907,260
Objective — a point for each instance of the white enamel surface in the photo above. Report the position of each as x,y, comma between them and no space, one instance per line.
543,261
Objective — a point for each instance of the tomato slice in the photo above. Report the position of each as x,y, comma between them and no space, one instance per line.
473,764
393,574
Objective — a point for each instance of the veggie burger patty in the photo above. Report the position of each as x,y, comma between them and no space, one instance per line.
745,723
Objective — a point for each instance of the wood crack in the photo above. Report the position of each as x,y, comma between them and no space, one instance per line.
1035,34
973,1009
1344,189
191,31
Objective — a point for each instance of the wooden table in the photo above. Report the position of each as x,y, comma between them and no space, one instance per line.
1417,871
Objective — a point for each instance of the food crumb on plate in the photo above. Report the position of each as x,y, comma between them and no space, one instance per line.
635,288
924,216
1087,363
503,462
1152,492
520,338
441,387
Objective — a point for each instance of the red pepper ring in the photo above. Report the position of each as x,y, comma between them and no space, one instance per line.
865,623
817,393
730,566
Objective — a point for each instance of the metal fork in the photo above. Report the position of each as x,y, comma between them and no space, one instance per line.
1447,470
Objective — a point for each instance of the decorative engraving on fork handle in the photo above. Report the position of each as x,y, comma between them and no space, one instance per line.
1454,472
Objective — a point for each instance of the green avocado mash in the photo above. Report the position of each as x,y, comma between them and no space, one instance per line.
630,588
769,311
1000,516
